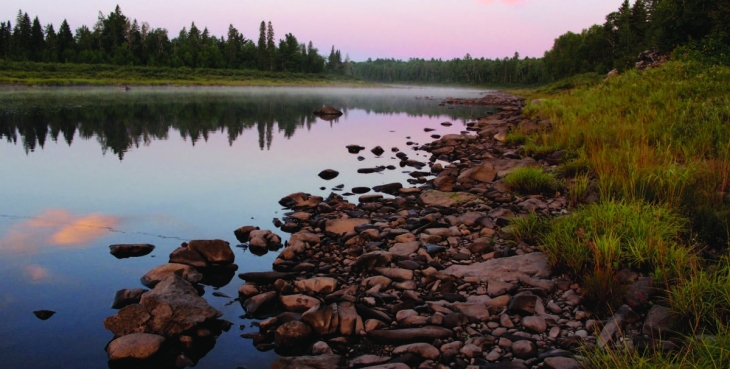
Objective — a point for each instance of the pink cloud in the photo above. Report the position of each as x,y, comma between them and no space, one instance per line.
36,273
508,2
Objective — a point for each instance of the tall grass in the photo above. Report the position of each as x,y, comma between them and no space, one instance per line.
531,181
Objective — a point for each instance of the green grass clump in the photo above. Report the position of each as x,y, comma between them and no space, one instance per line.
515,138
530,228
531,181
704,297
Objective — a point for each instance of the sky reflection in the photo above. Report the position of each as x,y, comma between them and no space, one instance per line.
56,227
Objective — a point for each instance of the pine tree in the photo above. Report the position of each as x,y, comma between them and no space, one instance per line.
21,44
5,39
65,42
263,54
37,41
50,54
270,46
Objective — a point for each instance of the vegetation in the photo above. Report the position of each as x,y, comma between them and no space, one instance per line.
532,181
115,39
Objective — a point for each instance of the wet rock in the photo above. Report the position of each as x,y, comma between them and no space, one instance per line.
184,255
337,227
640,292
44,314
354,149
523,305
291,334
299,303
327,110
423,334
561,363
367,360
265,277
170,308
445,199
321,348
524,349
213,251
157,274
300,201
255,302
123,251
134,346
377,150
390,188
316,285
423,350
432,249
242,233
328,174
126,297
360,190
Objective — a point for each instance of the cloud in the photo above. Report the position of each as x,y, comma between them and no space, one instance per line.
36,273
56,228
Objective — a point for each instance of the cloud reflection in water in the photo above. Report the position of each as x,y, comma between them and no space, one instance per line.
56,227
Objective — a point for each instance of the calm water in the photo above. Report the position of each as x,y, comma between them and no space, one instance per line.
83,168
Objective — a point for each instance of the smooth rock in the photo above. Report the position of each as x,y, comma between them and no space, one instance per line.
134,346
423,334
561,363
423,350
157,274
298,303
126,297
337,227
317,285
524,349
123,251
445,199
213,251
328,174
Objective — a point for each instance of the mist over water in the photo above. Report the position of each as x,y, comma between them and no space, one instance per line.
84,168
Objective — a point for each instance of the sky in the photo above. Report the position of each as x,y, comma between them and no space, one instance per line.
362,29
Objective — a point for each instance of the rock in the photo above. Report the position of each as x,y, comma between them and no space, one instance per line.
326,361
124,251
164,271
523,305
534,324
298,303
524,349
264,277
658,322
44,314
134,346
404,249
328,174
170,308
183,255
373,324
321,348
640,292
316,285
484,173
126,297
373,259
300,201
445,199
354,149
397,274
349,320
612,73
361,190
423,334
366,360
255,302
615,325
561,363
423,350
213,251
471,350
475,312
243,233
394,365
337,227
391,188
455,320
323,321
327,110
291,334
504,269
377,150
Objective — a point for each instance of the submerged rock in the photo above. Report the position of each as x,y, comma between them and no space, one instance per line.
328,174
123,251
44,314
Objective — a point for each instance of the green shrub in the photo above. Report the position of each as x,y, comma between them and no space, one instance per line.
531,181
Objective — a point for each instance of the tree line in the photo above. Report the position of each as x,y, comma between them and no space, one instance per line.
697,27
116,39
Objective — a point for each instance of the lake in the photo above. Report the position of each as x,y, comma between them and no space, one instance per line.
84,168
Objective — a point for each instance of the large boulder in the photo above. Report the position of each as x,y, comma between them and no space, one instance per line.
170,308
184,255
213,251
300,201
164,271
323,321
134,346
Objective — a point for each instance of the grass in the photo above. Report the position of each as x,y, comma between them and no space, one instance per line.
531,181
51,74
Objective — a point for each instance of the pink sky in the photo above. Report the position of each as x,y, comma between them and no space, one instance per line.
374,28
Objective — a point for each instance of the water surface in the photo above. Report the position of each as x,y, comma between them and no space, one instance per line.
83,168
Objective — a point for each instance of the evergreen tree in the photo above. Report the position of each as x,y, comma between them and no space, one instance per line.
263,53
66,44
6,34
270,46
37,41
21,37
50,54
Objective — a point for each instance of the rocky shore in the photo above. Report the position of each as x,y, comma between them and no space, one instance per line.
421,276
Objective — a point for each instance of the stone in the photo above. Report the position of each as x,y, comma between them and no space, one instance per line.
367,360
475,312
126,297
523,305
658,322
338,227
427,334
43,314
157,274
316,285
326,361
242,233
123,251
134,346
184,255
404,249
373,324
323,321
506,269
640,292
559,362
615,325
390,188
264,277
377,150
255,302
423,350
300,201
327,110
484,173
534,324
397,274
321,348
389,366
291,334
171,307
471,350
524,349
213,251
328,174
348,318
445,199
298,303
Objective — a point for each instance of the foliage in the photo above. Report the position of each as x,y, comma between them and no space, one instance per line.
703,298
119,40
530,181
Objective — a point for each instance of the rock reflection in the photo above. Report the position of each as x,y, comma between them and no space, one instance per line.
56,228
